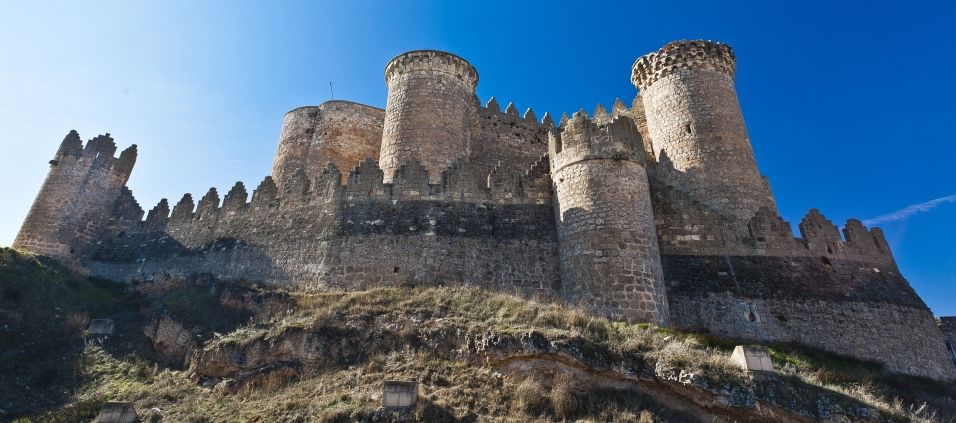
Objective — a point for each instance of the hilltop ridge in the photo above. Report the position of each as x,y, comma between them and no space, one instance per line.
200,350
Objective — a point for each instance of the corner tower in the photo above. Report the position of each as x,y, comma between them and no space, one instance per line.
430,111
697,129
609,257
76,198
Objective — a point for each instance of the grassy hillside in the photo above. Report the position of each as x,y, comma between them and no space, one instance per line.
261,355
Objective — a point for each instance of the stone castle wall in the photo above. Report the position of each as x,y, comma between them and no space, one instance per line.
603,211
76,198
843,306
319,234
508,144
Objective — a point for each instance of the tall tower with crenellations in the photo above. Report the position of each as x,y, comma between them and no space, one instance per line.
596,212
430,111
697,129
77,197
609,257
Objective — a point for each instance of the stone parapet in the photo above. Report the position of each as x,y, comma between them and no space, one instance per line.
581,138
680,55
432,61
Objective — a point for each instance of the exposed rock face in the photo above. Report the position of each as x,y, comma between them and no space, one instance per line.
230,363
170,339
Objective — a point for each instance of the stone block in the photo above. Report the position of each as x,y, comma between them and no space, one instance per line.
117,412
752,359
101,327
399,394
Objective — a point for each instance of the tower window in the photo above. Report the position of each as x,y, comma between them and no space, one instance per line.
688,129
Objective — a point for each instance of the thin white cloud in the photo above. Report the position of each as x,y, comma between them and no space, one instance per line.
910,210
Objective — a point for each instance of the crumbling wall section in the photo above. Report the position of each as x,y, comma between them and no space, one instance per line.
77,198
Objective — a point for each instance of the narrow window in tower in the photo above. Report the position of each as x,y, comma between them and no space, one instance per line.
395,270
688,129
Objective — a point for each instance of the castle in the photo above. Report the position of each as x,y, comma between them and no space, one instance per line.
653,212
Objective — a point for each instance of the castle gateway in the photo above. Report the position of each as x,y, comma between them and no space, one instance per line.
652,212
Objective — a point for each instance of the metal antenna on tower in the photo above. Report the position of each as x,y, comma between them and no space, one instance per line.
331,93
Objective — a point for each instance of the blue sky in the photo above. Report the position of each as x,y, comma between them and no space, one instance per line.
850,107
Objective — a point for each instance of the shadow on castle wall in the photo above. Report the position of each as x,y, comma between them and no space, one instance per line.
319,233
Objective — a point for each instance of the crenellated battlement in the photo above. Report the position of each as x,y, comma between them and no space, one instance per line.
688,227
821,237
492,110
651,210
582,138
84,193
681,55
365,182
97,153
432,61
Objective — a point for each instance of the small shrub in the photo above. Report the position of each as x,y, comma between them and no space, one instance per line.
531,398
77,321
565,396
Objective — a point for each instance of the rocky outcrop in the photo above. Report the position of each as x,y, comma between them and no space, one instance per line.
170,339
228,363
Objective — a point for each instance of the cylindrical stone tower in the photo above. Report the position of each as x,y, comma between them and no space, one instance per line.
340,132
298,127
607,242
697,129
429,112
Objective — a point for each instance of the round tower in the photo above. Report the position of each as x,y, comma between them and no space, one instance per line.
609,257
298,126
341,132
429,112
696,127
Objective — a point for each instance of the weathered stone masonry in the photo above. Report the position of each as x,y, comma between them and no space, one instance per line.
948,327
339,132
76,198
654,213
695,122
607,243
